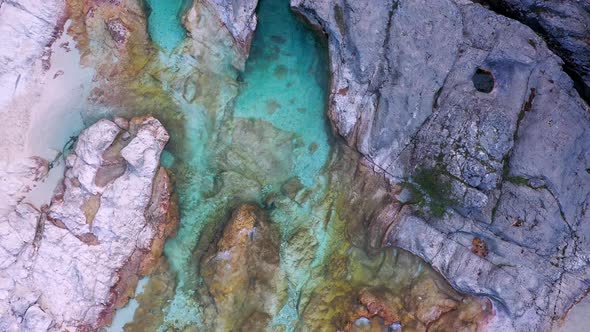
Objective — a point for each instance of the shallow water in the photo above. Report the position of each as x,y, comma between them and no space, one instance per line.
274,132
164,24
262,137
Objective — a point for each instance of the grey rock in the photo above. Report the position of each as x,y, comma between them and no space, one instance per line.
472,110
564,24
239,16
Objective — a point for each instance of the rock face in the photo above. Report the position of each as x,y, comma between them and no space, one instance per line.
239,16
471,117
565,25
70,265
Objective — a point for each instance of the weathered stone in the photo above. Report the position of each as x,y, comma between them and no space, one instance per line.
474,116
239,17
18,179
75,262
565,25
28,28
242,273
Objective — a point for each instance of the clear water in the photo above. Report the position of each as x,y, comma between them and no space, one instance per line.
262,137
286,84
274,131
164,24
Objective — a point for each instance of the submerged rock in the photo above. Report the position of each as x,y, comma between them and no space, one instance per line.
241,272
158,291
472,115
70,265
378,292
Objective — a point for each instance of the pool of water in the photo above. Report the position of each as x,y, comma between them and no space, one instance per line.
262,137
273,133
164,22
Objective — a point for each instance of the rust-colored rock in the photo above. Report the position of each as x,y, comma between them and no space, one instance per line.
479,247
242,272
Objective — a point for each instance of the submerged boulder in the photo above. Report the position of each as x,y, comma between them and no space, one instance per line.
242,273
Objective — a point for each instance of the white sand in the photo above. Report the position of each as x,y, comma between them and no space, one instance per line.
40,119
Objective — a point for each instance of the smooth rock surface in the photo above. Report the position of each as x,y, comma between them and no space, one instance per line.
472,114
70,265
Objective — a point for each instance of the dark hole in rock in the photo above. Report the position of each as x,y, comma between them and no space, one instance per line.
483,80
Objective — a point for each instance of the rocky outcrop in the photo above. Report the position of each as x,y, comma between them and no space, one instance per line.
226,38
239,16
472,120
242,272
18,179
564,24
71,264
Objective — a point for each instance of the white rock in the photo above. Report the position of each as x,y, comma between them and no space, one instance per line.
61,272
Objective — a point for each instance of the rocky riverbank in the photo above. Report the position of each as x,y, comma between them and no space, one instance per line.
471,116
464,142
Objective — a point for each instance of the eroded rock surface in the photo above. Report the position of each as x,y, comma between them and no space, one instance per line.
71,264
241,272
31,26
471,118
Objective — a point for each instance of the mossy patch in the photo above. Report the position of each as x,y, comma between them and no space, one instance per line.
518,180
431,188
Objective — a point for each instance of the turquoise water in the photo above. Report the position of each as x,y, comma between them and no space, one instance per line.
261,136
245,149
285,84
164,24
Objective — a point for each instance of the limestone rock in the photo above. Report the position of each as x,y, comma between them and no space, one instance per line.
239,17
474,116
28,27
70,265
18,179
228,34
